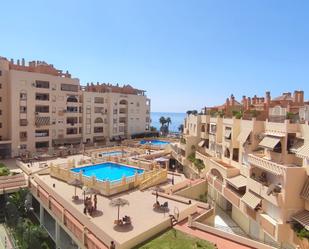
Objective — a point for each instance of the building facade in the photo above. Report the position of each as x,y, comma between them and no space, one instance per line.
42,108
256,170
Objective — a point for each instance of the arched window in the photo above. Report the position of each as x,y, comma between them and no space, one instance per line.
72,98
123,102
98,120
217,173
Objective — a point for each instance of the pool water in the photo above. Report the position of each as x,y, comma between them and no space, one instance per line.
154,142
108,171
112,153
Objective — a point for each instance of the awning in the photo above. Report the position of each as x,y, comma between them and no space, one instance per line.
305,191
62,141
161,159
243,136
274,133
269,142
228,133
251,200
201,143
302,217
298,144
237,181
303,152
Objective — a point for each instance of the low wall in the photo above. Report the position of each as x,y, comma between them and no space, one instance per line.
194,191
230,236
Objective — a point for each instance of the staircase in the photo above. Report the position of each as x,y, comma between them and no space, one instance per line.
153,180
173,220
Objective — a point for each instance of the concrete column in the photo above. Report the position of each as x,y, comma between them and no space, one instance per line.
57,235
41,214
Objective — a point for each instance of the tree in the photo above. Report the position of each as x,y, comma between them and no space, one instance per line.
162,121
168,121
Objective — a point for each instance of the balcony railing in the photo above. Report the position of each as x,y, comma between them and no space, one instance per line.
274,168
233,197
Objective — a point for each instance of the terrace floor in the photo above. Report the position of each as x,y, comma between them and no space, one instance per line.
140,210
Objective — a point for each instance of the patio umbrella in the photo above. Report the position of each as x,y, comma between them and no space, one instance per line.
119,202
62,148
89,191
76,183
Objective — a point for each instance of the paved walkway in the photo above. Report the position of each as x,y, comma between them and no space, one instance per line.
221,242
4,236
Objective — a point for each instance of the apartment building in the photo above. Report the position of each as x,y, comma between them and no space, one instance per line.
257,171
114,112
42,108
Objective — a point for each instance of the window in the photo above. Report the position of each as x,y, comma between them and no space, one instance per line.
0,99
41,133
23,122
115,111
42,96
98,129
0,125
42,108
23,146
41,84
99,100
115,130
0,112
98,120
98,110
23,96
72,109
23,109
115,120
72,99
72,120
69,87
39,145
23,135
0,73
121,129
71,131
0,86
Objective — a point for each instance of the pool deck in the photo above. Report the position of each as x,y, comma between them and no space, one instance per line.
144,218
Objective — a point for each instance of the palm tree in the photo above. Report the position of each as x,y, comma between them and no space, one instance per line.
168,121
162,121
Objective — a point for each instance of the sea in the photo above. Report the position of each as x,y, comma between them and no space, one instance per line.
177,119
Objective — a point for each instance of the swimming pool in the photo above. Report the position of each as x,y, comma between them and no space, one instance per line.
112,153
108,171
154,142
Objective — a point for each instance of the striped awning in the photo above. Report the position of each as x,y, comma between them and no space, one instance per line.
201,143
297,144
269,142
305,191
302,217
40,121
243,136
228,133
303,151
274,133
251,200
237,181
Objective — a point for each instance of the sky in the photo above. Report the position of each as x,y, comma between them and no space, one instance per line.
185,54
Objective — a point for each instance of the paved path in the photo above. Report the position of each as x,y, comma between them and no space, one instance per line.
4,235
221,242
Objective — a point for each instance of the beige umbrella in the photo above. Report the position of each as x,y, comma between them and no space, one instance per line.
119,202
76,183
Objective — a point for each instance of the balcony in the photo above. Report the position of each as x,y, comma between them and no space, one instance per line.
42,121
272,167
268,224
225,169
232,196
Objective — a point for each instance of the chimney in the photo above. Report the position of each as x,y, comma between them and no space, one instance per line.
248,103
301,97
267,98
12,61
232,99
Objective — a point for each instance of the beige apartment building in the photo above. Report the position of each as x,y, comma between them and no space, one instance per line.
42,108
114,113
257,171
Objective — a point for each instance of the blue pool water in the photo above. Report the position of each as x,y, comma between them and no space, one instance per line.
108,171
154,142
112,153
